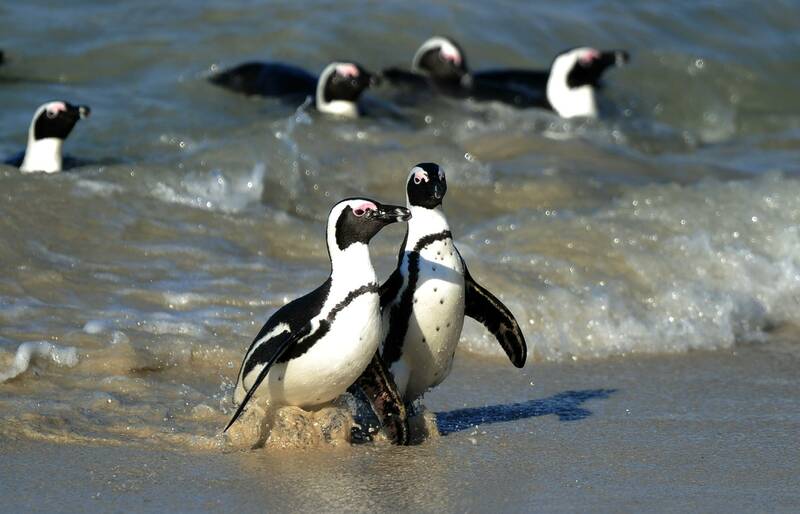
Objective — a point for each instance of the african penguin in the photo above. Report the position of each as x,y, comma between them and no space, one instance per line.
424,302
52,123
335,91
313,348
568,87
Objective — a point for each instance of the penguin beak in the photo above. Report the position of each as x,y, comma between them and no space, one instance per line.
390,214
614,58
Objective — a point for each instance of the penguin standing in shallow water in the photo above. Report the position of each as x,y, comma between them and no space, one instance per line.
423,305
335,91
568,87
312,349
52,123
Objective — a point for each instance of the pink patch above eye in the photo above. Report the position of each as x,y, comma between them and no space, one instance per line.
364,207
449,53
589,56
347,70
54,108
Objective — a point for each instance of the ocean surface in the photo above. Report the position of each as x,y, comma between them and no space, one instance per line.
131,286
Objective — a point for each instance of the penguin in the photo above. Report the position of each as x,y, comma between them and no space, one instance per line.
567,88
52,123
313,348
423,304
336,90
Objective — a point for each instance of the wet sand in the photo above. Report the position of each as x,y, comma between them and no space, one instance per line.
698,432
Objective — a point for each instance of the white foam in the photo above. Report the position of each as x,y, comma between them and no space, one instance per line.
216,190
664,269
33,350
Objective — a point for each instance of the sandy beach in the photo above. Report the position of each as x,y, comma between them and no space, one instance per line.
701,432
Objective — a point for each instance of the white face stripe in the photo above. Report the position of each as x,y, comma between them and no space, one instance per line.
448,50
340,107
355,204
569,102
43,155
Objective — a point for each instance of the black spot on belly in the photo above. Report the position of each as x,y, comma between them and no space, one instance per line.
435,289
448,325
423,340
437,329
441,302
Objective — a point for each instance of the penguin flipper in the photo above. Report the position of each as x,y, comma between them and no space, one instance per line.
377,384
278,345
484,307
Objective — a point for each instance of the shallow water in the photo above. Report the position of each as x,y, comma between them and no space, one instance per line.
671,224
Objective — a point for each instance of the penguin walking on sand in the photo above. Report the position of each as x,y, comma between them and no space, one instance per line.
336,90
313,348
52,123
423,305
568,87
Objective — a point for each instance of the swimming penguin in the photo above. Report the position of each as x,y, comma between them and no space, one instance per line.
312,349
52,123
335,91
568,87
423,304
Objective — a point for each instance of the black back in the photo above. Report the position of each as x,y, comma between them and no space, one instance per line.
272,79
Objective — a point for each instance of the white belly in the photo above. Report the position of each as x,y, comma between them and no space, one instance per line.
334,362
435,324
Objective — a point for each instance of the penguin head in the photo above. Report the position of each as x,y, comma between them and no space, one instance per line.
56,120
357,220
345,81
585,66
442,59
426,185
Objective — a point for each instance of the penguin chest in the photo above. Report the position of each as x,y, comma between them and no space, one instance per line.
437,316
334,362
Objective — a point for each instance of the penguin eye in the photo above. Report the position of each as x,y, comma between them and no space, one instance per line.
359,212
417,180
51,113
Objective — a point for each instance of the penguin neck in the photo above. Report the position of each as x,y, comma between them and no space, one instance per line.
343,108
43,155
350,268
570,102
424,222
338,107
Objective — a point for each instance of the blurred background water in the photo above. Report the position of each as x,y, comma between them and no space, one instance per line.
667,225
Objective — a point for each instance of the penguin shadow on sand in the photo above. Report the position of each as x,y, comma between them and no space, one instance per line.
566,405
